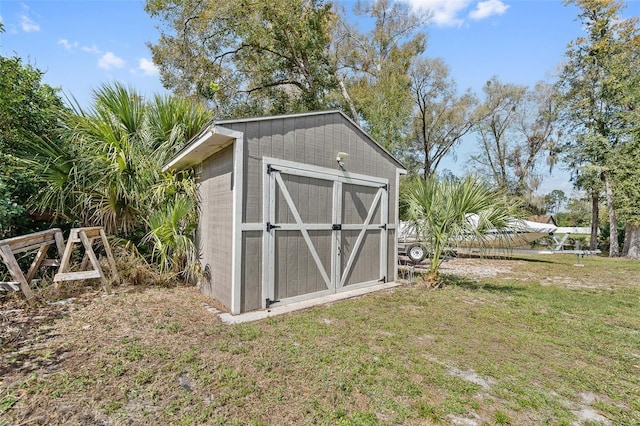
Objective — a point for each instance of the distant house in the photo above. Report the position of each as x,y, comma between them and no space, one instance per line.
292,207
545,218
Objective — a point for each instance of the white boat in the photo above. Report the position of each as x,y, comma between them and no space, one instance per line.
519,233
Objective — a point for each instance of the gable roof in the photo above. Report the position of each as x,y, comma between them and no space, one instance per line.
214,136
544,218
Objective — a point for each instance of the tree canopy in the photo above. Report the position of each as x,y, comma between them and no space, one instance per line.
441,118
516,131
246,57
284,56
598,87
29,111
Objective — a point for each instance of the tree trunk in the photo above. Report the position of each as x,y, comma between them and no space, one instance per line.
347,98
631,248
595,219
614,248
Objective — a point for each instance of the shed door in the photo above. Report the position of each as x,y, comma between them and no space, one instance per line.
325,233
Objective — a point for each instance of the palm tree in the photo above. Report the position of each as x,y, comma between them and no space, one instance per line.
106,168
440,210
171,228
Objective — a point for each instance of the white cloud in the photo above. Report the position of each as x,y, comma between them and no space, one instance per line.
448,12
71,46
444,12
485,9
147,67
110,60
67,44
27,24
91,49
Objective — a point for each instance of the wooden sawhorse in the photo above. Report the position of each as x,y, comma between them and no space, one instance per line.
38,240
85,236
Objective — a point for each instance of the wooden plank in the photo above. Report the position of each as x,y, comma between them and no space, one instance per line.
15,271
59,243
10,286
40,256
31,247
94,260
82,275
92,232
110,259
64,262
30,241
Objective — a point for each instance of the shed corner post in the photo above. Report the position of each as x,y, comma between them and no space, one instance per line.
236,252
399,172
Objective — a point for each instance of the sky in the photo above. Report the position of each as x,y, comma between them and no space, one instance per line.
81,44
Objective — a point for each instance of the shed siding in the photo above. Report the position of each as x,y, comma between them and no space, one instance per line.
367,262
296,272
297,139
215,228
251,295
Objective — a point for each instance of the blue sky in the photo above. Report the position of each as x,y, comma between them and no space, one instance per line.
82,44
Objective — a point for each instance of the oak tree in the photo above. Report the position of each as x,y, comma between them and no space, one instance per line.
246,57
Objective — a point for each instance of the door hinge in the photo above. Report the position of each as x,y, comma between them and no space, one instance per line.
336,227
269,302
383,279
270,169
270,226
386,187
383,226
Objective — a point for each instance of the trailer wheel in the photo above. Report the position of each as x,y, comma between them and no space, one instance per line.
416,252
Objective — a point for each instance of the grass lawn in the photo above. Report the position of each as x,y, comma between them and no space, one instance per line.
520,341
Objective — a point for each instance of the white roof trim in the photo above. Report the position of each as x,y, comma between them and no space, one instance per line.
210,140
273,117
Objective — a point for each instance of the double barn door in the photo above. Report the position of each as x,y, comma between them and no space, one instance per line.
326,231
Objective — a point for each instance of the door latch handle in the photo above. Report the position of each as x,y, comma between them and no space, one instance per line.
270,226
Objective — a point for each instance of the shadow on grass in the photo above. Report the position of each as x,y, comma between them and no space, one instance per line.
469,284
505,256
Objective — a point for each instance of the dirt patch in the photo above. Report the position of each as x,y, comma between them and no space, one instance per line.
585,413
465,421
25,331
473,377
478,268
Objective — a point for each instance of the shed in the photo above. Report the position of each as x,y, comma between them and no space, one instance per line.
292,207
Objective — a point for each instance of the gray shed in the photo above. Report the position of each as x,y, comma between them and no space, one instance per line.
292,207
